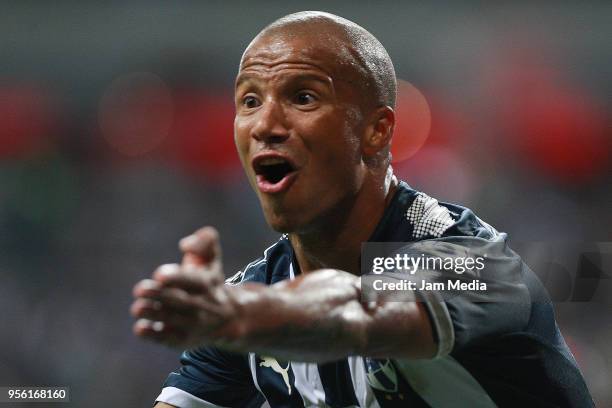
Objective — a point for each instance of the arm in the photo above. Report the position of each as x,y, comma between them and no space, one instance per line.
319,317
315,317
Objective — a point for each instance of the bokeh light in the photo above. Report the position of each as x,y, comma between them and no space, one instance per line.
554,126
413,121
136,113
203,134
28,120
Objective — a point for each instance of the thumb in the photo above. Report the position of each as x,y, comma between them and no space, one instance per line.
201,248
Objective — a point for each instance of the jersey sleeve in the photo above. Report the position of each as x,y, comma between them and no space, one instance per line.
210,377
467,317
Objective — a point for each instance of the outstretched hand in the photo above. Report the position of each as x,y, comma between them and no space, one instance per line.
317,316
185,305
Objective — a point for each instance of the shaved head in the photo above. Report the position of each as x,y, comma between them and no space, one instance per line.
358,56
314,99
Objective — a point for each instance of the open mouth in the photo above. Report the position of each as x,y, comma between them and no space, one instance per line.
274,174
274,169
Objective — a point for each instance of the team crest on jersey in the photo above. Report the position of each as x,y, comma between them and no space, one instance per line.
271,362
381,374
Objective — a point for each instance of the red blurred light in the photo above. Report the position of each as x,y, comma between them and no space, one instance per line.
413,122
553,124
136,113
27,120
202,135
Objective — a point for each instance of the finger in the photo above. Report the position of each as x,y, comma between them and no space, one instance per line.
190,258
208,308
146,288
165,270
160,333
202,247
182,302
176,298
157,311
141,303
191,278
174,275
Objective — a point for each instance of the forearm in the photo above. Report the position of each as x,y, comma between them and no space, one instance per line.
319,317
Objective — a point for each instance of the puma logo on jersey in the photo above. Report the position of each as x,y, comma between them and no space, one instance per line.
271,362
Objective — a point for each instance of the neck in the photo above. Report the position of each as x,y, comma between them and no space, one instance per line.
335,242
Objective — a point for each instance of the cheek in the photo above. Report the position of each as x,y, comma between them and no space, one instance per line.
343,144
335,133
353,130
241,138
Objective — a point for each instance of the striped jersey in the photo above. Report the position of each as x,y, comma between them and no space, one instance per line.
490,353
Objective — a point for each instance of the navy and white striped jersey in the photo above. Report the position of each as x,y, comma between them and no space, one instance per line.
489,353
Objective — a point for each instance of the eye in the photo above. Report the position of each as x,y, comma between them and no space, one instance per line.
304,98
250,102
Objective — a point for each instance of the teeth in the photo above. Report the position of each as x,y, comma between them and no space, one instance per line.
271,161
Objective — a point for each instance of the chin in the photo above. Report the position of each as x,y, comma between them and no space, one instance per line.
290,218
285,222
281,224
290,225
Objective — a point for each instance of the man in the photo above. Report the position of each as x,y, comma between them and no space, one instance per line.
314,119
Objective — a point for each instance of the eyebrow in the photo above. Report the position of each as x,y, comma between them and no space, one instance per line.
242,78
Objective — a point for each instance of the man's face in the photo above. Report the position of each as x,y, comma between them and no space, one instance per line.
298,130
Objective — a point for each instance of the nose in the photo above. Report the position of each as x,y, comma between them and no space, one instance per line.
271,123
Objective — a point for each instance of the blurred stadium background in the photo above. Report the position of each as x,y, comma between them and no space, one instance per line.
116,140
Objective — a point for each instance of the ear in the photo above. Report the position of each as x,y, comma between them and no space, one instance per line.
379,131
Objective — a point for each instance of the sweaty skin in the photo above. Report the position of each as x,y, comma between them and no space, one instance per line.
318,91
300,92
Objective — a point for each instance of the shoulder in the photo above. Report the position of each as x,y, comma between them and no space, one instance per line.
425,217
274,265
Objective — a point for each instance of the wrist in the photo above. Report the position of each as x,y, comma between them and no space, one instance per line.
355,323
250,302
